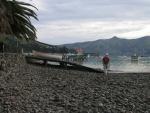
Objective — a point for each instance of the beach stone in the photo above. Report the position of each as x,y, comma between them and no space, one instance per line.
26,88
2,64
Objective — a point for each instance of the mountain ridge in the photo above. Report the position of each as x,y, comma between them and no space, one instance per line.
115,46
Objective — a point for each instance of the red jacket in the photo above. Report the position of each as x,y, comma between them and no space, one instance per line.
106,59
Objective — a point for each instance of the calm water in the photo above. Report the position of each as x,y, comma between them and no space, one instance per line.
121,63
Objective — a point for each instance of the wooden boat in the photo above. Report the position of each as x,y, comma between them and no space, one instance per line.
54,56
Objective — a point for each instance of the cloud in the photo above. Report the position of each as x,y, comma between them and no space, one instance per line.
96,9
92,9
65,21
59,32
40,4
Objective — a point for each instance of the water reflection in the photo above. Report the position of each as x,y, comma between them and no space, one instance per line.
121,63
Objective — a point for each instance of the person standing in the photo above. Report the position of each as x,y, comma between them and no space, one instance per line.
105,61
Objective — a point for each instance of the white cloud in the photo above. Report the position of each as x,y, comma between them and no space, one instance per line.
58,32
137,33
40,4
65,21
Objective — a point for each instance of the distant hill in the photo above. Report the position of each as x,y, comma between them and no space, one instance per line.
115,46
13,46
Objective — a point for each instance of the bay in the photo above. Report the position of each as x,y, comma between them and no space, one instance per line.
120,63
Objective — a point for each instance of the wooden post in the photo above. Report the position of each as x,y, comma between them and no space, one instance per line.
45,62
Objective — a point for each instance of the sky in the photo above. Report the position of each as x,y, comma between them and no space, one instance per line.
69,21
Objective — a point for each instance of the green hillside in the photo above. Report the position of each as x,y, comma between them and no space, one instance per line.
116,46
12,45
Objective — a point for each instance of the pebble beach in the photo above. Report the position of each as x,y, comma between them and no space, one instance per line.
35,89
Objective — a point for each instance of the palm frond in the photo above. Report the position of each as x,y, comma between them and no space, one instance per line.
18,18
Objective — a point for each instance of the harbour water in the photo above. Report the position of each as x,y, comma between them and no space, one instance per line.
121,63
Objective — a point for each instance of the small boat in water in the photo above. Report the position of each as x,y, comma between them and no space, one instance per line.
134,58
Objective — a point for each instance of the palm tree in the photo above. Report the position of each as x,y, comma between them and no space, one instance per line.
4,21
15,19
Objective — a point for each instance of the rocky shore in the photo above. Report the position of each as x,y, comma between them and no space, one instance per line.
27,88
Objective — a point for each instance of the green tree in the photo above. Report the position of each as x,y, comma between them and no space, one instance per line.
15,20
